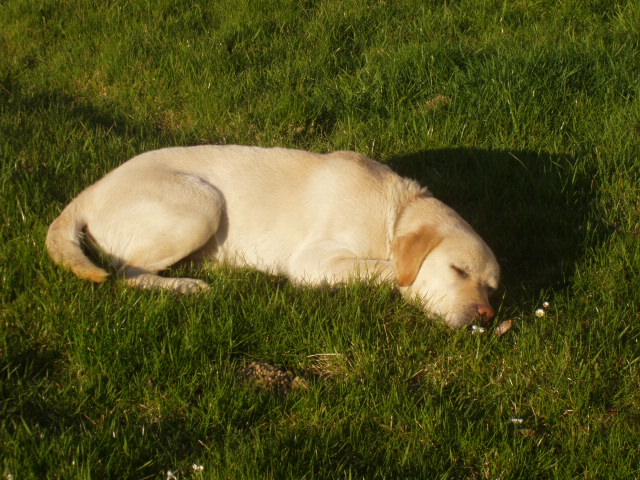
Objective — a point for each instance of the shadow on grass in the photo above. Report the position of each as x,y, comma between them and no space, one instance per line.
26,375
23,104
533,209
33,363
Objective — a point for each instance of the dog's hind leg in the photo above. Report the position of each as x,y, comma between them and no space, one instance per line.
167,218
135,277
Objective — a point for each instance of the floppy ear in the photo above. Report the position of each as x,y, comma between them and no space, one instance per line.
410,250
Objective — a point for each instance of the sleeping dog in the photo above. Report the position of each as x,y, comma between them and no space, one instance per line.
316,218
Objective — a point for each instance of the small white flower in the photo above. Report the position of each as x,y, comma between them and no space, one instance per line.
546,304
517,420
540,312
476,329
197,468
171,476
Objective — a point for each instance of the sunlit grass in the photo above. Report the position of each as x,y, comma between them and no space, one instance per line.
524,116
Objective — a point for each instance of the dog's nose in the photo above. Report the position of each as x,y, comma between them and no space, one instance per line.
485,313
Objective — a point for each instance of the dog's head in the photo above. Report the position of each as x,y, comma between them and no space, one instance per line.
443,262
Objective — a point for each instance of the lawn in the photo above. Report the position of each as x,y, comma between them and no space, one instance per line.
524,115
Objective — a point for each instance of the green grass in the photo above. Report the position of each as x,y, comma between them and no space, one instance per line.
536,143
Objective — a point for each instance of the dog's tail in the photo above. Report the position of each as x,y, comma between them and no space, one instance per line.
64,245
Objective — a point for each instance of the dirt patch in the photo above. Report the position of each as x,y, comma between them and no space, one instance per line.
436,103
272,379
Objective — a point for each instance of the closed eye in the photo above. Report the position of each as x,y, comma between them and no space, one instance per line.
461,272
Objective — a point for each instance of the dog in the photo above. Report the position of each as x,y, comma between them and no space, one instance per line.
315,218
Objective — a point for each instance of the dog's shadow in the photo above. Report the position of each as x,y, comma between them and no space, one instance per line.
532,208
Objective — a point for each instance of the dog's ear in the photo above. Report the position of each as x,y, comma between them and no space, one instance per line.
410,250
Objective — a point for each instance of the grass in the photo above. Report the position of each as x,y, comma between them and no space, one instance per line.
523,115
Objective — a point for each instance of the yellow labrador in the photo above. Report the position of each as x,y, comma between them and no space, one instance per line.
312,217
